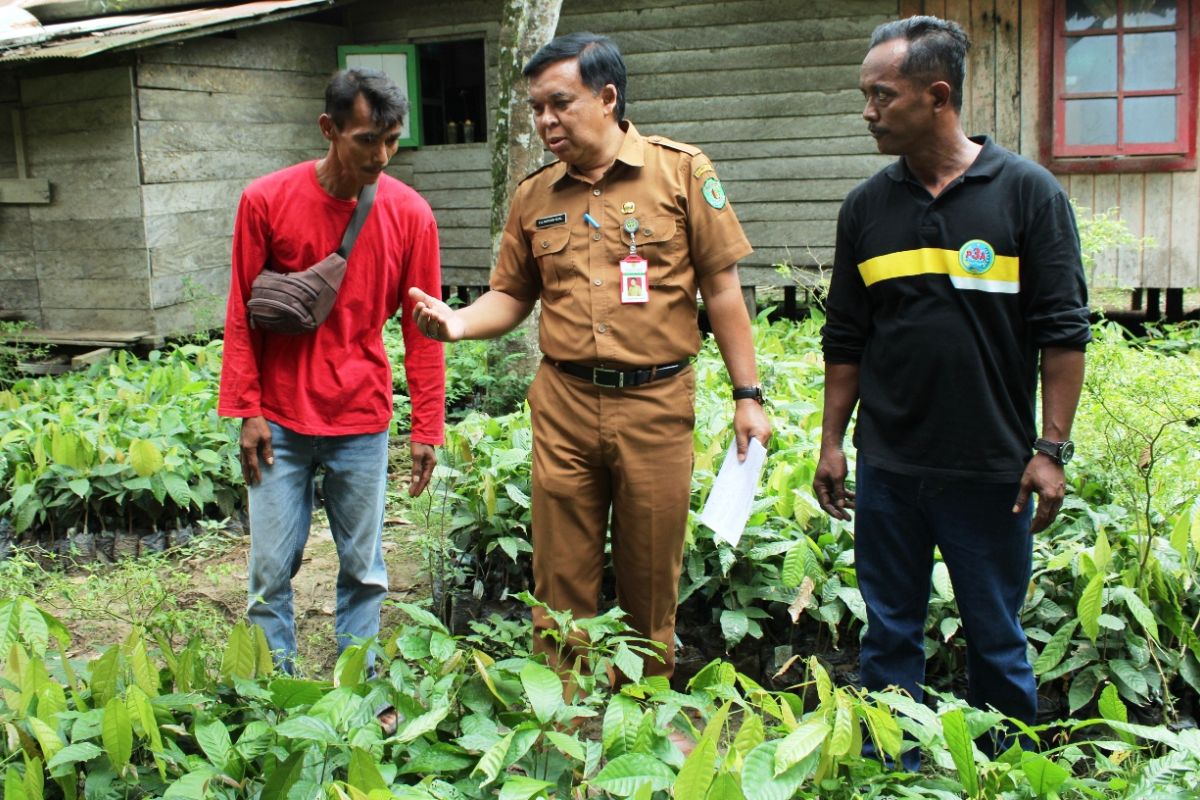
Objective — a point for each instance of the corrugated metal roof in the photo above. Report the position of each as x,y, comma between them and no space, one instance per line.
21,40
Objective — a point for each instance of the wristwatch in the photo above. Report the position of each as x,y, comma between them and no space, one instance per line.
754,392
1060,452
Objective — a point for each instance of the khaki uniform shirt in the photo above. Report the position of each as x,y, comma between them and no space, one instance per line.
550,251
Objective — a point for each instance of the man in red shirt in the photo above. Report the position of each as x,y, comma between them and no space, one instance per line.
322,401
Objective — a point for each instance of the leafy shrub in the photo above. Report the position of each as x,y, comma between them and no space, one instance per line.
127,444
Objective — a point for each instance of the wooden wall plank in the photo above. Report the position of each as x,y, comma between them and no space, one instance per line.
165,104
1131,197
117,319
18,295
114,263
1030,60
183,197
960,12
170,289
1156,263
191,256
837,52
87,293
80,84
1008,74
210,165
165,230
189,137
1105,196
17,265
982,71
287,46
74,203
1185,230
220,80
89,234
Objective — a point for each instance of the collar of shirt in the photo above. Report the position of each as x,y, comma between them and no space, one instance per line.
632,153
986,165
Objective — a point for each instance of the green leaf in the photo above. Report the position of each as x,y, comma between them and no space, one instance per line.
1112,709
289,693
625,774
567,744
845,727
213,738
884,730
423,724
14,788
239,658
308,729
47,738
1083,687
284,777
1130,676
1140,611
734,625
1102,552
491,762
724,787
758,774
105,672
629,662
520,787
958,742
544,689
800,743
1055,649
351,666
1044,776
423,617
363,774
145,457
177,488
699,768
117,733
793,565
621,720
73,754
1090,604
80,486
192,786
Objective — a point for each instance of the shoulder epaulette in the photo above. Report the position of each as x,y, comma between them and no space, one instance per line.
663,141
540,169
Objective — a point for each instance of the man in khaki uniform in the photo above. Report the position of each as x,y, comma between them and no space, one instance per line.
612,403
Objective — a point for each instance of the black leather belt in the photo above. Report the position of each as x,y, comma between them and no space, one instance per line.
619,378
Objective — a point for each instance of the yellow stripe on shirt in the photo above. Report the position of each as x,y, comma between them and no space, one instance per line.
1002,277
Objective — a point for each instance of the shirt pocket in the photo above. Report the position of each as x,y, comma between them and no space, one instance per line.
553,253
656,240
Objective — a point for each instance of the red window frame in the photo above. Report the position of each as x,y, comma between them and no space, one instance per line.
1060,157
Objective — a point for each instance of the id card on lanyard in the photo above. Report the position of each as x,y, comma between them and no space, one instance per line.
634,286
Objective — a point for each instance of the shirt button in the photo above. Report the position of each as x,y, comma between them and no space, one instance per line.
599,282
602,327
596,192
545,243
596,237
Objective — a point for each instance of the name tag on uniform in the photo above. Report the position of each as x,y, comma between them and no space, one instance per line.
634,286
546,222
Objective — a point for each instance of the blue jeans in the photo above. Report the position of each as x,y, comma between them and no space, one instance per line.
988,550
354,489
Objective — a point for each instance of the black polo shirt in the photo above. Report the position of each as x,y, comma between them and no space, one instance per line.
945,303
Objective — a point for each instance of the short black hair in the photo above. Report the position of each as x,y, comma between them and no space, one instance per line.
600,62
388,104
937,51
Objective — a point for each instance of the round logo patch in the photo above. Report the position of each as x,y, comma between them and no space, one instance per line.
976,256
714,193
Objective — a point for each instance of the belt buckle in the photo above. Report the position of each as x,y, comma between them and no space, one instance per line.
619,378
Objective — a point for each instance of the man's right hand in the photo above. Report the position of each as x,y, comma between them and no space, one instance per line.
255,443
829,484
435,319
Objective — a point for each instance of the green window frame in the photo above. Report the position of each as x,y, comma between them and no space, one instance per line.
402,64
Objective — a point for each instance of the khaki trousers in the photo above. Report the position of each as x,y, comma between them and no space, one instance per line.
628,451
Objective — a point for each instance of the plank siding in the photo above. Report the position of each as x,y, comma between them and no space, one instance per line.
214,115
19,294
767,87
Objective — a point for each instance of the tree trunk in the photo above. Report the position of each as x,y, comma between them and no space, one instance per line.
517,150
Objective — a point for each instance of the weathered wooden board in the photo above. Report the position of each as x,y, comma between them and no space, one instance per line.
463,218
802,168
89,234
742,82
77,85
17,265
747,134
83,293
735,34
787,212
50,151
34,192
165,230
1185,229
452,158
72,319
846,52
1105,196
83,176
14,229
793,191
466,257
192,256
1008,74
456,198
1031,60
18,295
293,46
171,198
73,203
1131,190
457,238
211,165
220,80
189,137
845,101
1156,262
82,115
210,283
165,104
861,146
76,262
475,179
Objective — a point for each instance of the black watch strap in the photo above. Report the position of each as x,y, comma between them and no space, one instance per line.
1060,452
749,393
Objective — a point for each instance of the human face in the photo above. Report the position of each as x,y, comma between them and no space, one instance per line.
899,112
361,147
572,121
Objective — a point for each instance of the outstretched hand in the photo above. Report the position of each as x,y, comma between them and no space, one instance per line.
424,459
829,484
435,319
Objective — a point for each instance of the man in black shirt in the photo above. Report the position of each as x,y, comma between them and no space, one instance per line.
957,279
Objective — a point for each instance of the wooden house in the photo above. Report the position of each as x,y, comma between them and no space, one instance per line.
141,149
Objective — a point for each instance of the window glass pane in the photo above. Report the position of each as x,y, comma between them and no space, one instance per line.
1091,122
1149,119
1083,15
1091,64
1149,61
1144,13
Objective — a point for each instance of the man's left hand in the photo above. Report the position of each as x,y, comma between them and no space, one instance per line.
1046,479
424,459
750,421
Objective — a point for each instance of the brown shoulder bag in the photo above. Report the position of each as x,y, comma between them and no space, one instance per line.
298,302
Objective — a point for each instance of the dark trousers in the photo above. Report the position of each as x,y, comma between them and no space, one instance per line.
899,519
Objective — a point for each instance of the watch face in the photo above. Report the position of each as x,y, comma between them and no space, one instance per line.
1066,452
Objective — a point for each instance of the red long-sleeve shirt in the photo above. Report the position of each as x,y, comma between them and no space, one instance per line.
337,380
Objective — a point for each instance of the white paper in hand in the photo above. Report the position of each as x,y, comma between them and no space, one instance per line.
732,495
